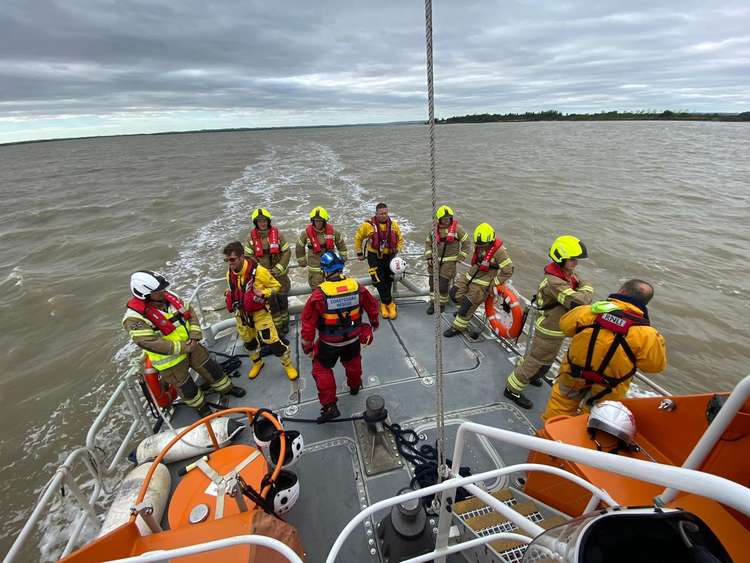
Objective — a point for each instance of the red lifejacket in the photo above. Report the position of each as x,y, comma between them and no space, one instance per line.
450,235
484,262
273,242
619,322
381,241
156,316
241,292
312,237
554,269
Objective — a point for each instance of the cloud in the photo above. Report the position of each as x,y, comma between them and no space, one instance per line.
186,64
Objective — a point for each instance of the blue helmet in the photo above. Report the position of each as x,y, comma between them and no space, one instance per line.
330,262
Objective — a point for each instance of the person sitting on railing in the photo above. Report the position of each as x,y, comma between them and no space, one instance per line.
318,237
269,247
158,321
384,241
490,265
611,340
451,248
249,288
334,311
560,290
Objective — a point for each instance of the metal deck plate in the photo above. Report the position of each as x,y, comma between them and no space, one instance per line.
378,449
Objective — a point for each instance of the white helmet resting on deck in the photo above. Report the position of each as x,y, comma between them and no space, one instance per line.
294,446
614,418
284,492
144,282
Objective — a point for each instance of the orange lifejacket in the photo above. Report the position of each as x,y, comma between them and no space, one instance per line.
241,292
312,237
381,241
273,242
156,316
484,261
450,235
342,315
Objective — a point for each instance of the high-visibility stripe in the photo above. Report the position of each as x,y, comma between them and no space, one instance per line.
312,269
222,385
460,322
285,247
141,332
546,331
586,288
506,262
514,383
196,401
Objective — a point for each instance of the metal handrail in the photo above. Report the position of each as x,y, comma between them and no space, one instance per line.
456,481
703,484
166,555
737,399
91,456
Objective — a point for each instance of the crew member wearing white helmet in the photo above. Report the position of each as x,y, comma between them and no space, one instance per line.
318,237
271,250
384,240
490,266
158,321
610,340
451,248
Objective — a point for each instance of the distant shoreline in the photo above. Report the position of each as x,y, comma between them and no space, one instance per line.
553,115
196,131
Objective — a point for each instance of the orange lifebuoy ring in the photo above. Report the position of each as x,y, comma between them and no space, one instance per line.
507,322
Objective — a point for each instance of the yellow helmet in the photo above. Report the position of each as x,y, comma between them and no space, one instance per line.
319,213
567,247
442,211
260,212
484,233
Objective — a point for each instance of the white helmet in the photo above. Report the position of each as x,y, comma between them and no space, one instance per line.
613,418
398,267
144,282
294,446
284,492
264,431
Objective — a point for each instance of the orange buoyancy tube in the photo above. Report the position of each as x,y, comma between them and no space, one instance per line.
510,324
163,396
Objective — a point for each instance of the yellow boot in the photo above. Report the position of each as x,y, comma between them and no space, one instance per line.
392,312
384,311
291,372
257,365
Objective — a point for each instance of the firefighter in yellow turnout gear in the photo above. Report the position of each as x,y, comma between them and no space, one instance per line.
159,323
610,340
384,241
490,266
271,250
559,291
250,287
319,237
451,247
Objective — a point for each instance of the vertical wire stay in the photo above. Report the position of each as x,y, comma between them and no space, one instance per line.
440,416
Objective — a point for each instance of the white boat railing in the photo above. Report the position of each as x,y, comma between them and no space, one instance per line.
166,555
597,495
87,465
706,485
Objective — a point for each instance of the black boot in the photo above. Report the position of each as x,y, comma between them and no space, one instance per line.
354,390
204,411
536,382
236,392
328,412
518,398
451,332
430,308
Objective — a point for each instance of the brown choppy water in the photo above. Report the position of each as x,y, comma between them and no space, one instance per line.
668,202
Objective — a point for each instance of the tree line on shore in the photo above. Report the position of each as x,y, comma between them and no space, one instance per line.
554,115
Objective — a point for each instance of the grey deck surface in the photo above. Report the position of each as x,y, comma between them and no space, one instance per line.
400,367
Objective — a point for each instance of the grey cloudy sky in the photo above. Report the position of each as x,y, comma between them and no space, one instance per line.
89,67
